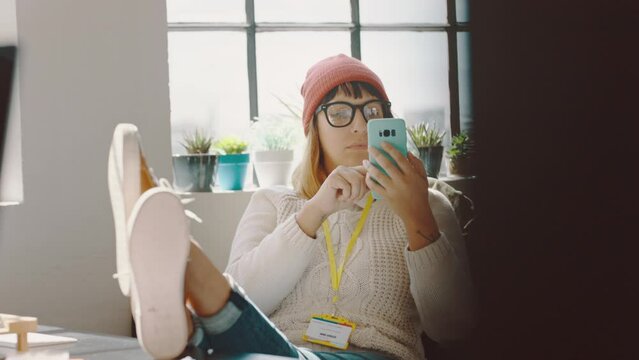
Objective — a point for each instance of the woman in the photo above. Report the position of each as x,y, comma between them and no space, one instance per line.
328,266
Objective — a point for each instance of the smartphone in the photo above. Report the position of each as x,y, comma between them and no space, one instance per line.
393,131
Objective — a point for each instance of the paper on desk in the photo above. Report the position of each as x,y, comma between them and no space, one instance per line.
35,340
34,354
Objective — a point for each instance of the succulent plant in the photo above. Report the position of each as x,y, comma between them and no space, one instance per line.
197,142
425,136
231,145
278,131
461,146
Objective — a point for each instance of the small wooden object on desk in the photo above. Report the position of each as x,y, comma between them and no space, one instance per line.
20,325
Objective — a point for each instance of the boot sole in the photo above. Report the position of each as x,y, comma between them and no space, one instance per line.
124,190
159,248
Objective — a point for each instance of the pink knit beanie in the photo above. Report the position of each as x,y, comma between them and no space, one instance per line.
329,73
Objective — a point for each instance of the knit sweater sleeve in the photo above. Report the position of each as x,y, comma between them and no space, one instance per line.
439,278
267,259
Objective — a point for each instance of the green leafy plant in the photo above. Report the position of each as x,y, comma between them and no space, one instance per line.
425,136
274,136
278,131
231,145
461,146
294,109
197,142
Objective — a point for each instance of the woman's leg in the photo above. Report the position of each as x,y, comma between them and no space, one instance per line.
171,273
206,289
230,322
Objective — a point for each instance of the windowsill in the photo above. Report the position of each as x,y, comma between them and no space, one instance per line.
217,190
453,178
251,189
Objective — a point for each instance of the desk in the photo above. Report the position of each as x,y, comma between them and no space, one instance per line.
91,346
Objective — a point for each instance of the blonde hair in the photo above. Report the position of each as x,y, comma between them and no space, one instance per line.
310,173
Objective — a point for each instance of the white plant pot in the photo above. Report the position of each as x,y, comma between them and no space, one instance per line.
273,167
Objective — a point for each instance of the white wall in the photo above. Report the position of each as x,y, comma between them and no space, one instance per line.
220,214
84,67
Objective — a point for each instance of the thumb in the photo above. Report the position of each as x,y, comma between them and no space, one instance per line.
417,165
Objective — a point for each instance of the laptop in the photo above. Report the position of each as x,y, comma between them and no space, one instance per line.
7,65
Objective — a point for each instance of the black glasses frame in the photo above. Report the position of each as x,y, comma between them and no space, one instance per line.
385,108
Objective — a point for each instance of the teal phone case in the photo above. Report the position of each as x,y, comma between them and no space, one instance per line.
392,131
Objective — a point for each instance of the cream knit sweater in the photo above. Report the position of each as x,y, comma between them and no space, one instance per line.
392,294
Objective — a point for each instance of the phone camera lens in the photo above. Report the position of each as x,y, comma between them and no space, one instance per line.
386,133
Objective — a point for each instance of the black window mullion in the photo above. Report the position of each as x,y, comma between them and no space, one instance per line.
356,48
251,58
453,70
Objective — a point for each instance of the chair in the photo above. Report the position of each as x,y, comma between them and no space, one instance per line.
462,204
465,212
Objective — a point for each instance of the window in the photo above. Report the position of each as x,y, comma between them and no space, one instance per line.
232,61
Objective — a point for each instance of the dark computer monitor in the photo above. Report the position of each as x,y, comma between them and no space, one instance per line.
7,65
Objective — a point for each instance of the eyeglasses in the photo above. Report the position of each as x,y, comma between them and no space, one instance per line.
341,113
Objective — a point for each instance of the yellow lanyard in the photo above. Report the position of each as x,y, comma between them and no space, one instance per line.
336,274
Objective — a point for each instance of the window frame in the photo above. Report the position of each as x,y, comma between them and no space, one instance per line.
251,28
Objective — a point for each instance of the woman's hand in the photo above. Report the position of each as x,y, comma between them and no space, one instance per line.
405,188
343,187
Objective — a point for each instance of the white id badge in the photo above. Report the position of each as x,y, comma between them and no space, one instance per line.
329,331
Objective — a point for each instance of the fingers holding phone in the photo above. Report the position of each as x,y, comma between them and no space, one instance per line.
387,138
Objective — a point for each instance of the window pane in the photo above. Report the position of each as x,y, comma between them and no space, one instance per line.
302,11
462,10
465,84
283,59
417,84
208,87
205,11
402,11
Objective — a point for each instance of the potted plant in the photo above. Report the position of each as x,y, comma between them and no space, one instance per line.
274,138
233,163
195,171
459,155
429,143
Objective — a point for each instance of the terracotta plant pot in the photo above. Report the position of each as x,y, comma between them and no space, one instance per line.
460,166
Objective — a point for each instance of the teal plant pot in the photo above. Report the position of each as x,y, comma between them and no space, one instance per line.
431,156
195,172
232,170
